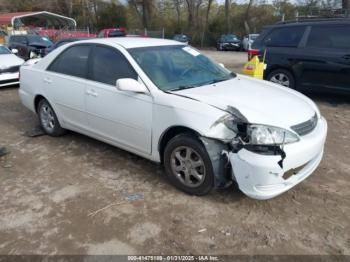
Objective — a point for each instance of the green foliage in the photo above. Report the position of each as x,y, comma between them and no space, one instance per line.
176,16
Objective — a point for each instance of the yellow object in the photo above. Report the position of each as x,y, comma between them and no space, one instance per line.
2,40
254,68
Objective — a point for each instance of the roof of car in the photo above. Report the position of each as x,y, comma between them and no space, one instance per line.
135,42
312,21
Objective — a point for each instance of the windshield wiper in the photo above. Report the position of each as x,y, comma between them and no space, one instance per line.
183,87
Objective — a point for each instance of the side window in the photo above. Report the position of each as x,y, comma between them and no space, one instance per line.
109,65
285,37
332,36
101,34
73,61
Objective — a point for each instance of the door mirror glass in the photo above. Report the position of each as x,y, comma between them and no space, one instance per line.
14,51
130,85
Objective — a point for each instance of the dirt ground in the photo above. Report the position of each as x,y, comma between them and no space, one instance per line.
76,195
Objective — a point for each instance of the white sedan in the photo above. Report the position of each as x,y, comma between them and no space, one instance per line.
167,102
9,66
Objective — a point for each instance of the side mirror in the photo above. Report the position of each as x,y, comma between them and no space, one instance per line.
14,51
222,65
130,85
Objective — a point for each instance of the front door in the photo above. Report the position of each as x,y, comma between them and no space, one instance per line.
122,117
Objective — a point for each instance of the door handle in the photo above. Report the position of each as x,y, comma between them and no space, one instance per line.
347,57
47,80
92,92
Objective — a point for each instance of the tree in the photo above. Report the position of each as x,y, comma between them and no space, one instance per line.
227,15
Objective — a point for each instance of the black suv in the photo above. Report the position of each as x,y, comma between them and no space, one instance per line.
307,55
29,46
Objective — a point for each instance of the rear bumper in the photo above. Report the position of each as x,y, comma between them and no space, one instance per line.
261,177
7,79
27,99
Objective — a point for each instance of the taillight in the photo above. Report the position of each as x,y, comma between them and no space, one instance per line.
252,53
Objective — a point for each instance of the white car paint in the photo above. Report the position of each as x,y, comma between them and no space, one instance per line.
7,61
248,41
137,121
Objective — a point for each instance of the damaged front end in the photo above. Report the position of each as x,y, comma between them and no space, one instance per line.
253,155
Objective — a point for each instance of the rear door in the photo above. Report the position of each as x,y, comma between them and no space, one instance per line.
326,62
66,79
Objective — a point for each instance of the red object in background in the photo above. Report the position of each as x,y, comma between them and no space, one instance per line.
112,32
56,35
252,53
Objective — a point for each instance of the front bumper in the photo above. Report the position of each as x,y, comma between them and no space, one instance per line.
261,177
7,79
231,46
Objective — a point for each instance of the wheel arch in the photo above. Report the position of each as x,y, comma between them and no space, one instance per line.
37,100
170,133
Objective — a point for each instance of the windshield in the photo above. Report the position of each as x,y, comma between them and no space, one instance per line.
39,40
178,67
230,38
4,50
253,37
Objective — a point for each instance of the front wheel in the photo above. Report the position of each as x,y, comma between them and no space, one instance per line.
188,166
282,77
48,119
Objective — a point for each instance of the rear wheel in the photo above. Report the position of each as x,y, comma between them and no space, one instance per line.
188,166
48,119
282,77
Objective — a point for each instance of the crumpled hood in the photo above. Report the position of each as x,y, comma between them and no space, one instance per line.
10,60
260,102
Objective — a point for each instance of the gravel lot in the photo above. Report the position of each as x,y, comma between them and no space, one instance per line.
76,195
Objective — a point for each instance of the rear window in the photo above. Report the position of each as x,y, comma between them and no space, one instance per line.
330,36
116,34
285,36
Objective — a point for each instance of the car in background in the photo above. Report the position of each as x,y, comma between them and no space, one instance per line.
307,55
112,32
9,66
248,40
29,46
167,102
181,38
229,42
63,42
3,36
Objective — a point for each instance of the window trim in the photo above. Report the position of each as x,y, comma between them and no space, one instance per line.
285,27
64,51
323,48
113,49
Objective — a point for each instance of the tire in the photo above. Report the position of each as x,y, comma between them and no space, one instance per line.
48,119
188,166
282,77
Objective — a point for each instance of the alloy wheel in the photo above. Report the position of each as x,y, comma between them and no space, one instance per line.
47,118
188,166
281,79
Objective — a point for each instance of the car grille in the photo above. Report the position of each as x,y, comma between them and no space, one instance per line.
307,127
12,69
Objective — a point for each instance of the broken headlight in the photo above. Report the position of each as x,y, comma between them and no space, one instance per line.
269,135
